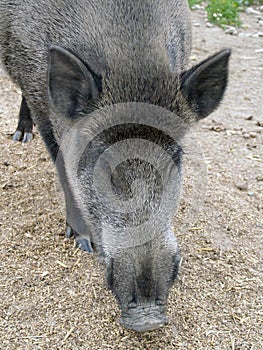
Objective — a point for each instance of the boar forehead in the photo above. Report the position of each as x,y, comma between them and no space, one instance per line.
121,177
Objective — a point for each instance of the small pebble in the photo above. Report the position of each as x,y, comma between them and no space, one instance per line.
231,31
246,136
44,273
259,178
231,132
249,117
6,186
250,193
245,35
243,186
209,25
253,135
251,11
218,128
259,123
245,26
251,147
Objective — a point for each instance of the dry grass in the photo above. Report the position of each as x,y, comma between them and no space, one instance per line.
53,295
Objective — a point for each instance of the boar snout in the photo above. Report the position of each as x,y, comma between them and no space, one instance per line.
143,318
140,277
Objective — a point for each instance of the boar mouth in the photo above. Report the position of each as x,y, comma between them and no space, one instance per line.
143,319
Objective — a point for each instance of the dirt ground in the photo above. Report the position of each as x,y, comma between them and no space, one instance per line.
53,296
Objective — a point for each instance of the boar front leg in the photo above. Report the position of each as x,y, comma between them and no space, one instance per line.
24,130
76,225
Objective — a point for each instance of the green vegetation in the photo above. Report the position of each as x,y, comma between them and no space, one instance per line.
194,2
225,12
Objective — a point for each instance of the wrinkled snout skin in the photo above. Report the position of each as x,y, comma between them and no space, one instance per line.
145,317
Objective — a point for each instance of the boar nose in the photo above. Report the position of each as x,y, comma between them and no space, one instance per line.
141,319
146,326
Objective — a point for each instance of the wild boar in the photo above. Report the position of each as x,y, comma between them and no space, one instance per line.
93,75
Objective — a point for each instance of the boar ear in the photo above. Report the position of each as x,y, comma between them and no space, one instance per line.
203,86
69,81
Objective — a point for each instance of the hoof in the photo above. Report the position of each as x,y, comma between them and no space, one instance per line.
17,136
69,232
81,243
26,137
84,244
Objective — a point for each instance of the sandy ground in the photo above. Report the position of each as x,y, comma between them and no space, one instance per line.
53,296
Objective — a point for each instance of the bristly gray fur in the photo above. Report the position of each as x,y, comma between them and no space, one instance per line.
120,40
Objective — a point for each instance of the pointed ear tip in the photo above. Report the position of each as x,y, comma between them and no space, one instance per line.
52,47
226,53
54,51
222,56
